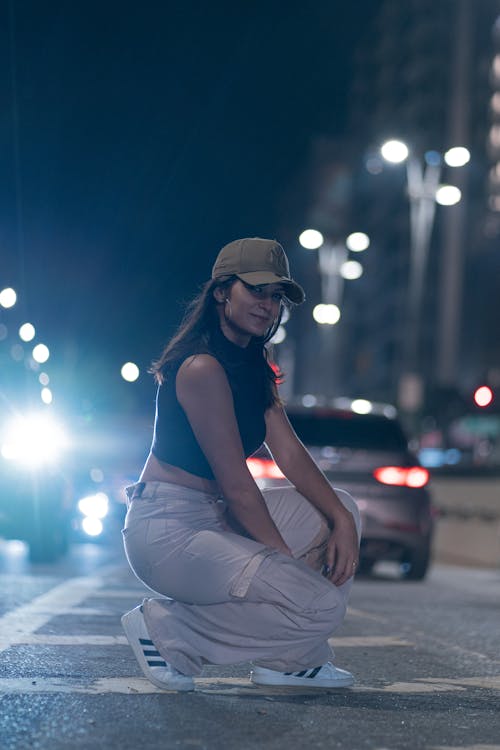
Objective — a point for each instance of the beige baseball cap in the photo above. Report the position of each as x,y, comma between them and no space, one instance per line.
258,261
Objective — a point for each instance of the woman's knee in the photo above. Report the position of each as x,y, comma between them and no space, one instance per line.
302,525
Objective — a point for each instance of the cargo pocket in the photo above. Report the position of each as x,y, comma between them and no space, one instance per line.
241,583
292,584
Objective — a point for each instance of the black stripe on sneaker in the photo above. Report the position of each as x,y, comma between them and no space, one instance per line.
151,652
145,642
314,672
300,674
157,663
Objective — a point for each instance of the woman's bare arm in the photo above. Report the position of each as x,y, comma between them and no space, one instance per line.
301,470
204,393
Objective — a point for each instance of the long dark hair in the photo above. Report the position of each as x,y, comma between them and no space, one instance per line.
194,333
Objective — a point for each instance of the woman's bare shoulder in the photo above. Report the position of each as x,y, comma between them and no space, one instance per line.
201,373
199,365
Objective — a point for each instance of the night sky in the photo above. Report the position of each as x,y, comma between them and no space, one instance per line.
136,140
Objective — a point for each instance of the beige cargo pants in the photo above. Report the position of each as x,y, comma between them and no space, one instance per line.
230,598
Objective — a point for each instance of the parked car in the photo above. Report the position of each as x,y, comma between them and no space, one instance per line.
367,455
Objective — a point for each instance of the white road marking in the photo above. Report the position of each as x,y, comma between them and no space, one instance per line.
229,685
68,685
351,611
49,639
28,618
88,612
368,640
19,627
46,639
443,684
138,594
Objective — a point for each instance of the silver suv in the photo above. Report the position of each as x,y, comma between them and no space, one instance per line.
367,455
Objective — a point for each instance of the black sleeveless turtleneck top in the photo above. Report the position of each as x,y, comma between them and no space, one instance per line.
174,441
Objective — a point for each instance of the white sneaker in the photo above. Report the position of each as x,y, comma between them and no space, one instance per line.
152,663
326,676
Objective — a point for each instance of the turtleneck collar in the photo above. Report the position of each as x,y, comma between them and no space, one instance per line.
229,351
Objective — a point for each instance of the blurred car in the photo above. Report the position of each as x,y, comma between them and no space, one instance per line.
367,455
35,496
51,492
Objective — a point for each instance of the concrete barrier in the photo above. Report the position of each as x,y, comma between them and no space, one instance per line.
468,526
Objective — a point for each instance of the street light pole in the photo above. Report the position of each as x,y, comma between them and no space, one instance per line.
422,187
424,191
331,258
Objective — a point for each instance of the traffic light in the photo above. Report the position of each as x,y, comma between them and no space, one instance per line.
483,396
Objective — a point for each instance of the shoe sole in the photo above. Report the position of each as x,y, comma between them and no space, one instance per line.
302,682
132,633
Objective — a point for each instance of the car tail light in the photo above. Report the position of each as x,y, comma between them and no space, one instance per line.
264,468
402,476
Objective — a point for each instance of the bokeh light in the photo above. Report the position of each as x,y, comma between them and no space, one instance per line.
483,396
92,526
448,195
130,372
8,297
357,242
326,314
311,239
41,353
351,270
361,406
394,151
95,506
27,332
457,156
46,395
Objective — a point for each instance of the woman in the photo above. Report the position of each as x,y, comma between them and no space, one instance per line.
249,575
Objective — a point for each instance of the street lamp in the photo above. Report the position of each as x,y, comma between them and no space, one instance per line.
424,191
334,268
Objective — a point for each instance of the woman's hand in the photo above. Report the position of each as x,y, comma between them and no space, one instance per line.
343,549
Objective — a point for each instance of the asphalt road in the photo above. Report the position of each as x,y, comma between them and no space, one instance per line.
426,657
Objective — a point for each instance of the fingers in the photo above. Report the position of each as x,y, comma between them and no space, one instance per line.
340,566
341,574
342,554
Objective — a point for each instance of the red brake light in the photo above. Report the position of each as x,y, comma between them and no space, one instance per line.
264,468
402,476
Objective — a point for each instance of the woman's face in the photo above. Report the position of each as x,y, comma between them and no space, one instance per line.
247,311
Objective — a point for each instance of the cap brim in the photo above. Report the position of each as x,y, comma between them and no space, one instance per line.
293,291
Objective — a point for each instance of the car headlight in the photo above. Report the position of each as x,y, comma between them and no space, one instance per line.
94,506
33,440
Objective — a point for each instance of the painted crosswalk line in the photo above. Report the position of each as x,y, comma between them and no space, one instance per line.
233,686
49,639
28,618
